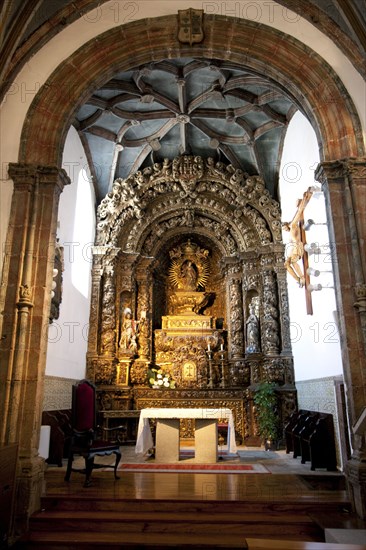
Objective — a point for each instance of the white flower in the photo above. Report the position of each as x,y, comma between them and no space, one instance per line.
159,376
166,384
160,382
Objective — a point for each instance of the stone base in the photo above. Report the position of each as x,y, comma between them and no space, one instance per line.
167,440
206,441
356,477
30,481
345,536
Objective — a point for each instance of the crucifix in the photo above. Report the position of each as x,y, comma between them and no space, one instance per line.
295,249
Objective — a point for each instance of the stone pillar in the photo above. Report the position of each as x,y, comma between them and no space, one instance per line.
344,186
25,302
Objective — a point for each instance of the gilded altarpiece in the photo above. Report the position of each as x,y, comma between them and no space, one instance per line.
190,303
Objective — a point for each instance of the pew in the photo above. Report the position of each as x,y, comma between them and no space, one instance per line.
305,434
322,444
310,434
291,423
60,422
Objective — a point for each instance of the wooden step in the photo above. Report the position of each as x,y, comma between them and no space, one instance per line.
126,541
74,541
73,503
227,529
250,524
255,507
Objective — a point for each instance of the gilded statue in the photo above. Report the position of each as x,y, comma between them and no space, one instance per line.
188,272
128,341
189,269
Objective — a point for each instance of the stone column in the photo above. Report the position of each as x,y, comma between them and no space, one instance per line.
344,186
25,303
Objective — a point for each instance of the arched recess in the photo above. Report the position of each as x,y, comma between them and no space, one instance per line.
225,224
315,88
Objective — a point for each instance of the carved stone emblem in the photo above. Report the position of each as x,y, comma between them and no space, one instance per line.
190,26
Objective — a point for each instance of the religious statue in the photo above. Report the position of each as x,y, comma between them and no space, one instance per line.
128,332
189,269
252,325
189,275
295,246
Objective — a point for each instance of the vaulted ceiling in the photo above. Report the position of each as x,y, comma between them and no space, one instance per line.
184,106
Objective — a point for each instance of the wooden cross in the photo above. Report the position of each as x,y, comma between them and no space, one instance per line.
295,250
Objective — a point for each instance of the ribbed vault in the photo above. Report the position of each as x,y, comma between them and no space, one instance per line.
278,58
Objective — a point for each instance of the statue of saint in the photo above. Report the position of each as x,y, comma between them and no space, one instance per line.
128,332
295,246
252,331
189,275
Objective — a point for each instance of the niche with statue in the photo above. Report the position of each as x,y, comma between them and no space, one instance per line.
189,289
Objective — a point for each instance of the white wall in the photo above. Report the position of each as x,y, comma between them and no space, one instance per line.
67,335
315,338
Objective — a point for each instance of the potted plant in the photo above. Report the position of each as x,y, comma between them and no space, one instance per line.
265,400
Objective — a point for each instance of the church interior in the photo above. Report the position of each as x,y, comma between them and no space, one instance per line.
183,198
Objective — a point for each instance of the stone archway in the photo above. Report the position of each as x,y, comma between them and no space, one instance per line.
312,84
297,68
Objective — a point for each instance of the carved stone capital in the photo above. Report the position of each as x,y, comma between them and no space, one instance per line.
25,297
339,169
28,174
360,293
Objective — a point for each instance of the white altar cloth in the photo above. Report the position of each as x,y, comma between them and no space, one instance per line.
144,440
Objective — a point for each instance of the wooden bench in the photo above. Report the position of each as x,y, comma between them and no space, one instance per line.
310,434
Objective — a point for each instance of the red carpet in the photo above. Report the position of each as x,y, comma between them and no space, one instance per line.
194,468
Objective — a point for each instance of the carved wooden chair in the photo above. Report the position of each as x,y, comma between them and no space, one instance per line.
84,440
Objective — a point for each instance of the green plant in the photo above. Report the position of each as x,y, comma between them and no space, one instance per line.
265,400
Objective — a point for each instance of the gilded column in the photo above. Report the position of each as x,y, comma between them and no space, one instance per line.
236,321
286,348
270,331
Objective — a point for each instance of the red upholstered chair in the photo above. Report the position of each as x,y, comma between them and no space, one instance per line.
84,440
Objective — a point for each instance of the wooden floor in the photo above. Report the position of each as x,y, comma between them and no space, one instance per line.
189,510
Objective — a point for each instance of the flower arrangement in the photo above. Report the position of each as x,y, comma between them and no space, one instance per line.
158,379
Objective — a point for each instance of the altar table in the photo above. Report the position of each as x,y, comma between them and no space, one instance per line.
167,433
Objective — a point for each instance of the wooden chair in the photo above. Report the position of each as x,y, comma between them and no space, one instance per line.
84,439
